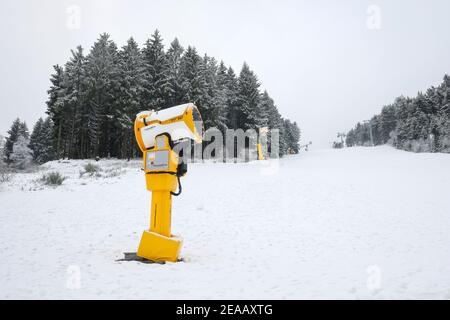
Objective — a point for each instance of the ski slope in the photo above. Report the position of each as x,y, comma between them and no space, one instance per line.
353,223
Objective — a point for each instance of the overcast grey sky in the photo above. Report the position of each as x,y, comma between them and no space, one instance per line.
327,64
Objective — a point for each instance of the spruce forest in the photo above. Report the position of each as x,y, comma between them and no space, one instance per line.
419,124
94,98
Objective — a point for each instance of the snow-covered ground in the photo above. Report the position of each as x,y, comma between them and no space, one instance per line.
351,223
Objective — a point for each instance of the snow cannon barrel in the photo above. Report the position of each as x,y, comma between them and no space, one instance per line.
180,123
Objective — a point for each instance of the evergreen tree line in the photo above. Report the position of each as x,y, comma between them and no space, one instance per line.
419,124
94,98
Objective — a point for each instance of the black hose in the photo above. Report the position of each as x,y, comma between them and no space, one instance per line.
176,194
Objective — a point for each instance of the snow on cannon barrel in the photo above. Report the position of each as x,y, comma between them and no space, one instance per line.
156,134
180,122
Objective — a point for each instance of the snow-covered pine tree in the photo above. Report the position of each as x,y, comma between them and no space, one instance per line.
387,122
47,152
214,94
248,99
175,80
422,114
157,85
208,73
2,148
402,107
265,108
442,117
288,135
21,155
274,121
102,79
232,101
283,146
376,129
291,136
2,152
75,111
193,79
17,130
40,144
36,139
131,88
221,98
13,134
23,130
55,108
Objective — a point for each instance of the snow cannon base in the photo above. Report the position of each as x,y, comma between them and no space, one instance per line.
156,247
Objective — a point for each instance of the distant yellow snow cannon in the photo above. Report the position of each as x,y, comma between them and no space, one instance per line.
262,138
156,133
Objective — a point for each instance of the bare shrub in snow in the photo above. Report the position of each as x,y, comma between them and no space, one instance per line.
113,172
52,179
445,144
420,145
91,169
5,174
393,138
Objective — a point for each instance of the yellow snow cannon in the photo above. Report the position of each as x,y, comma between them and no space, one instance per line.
262,137
156,134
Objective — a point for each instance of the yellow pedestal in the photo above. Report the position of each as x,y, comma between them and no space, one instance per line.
259,149
156,247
